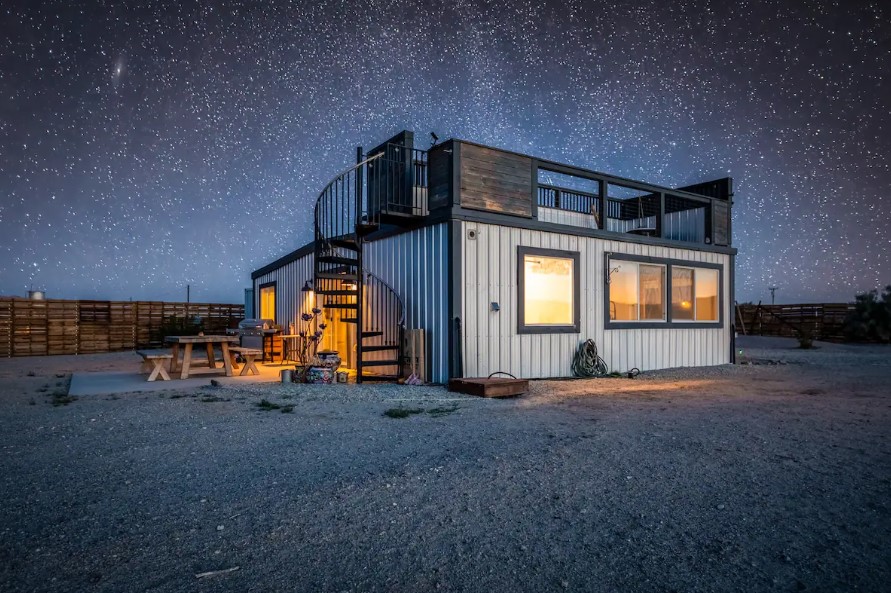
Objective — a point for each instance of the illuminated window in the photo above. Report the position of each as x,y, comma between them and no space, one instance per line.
694,294
267,301
549,291
639,289
636,291
706,294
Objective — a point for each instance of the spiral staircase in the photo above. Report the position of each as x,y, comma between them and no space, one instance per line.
356,203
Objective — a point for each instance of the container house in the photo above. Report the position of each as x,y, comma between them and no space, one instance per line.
494,261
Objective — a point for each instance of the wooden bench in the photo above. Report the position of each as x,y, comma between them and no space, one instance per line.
157,359
250,356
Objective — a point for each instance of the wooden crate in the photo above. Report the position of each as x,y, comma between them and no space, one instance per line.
494,387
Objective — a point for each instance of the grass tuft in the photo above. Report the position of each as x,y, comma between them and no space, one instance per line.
402,412
267,405
442,411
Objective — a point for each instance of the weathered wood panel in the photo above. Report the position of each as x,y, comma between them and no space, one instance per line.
495,180
823,321
31,328
490,341
721,223
439,175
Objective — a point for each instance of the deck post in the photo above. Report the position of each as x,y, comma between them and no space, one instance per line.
660,217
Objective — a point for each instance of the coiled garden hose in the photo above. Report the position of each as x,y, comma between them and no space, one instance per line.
587,363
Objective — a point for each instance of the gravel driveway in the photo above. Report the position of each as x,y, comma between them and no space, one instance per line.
769,476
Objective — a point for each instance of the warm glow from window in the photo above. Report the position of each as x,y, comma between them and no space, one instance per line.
694,294
548,290
267,302
636,292
706,295
681,294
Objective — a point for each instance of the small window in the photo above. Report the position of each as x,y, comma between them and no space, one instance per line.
548,291
636,292
267,301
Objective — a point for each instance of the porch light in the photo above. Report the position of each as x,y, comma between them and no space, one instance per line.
306,287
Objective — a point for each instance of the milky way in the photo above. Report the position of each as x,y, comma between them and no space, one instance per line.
147,146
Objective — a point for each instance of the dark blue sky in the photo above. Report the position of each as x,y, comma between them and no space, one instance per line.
146,146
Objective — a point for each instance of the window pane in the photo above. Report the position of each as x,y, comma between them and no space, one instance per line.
681,294
623,291
267,303
652,292
549,289
706,295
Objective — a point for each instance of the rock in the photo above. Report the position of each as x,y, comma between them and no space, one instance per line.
220,527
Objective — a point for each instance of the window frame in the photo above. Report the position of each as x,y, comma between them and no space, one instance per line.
668,323
259,309
522,327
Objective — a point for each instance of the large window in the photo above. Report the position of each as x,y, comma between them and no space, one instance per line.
655,292
548,291
267,301
637,292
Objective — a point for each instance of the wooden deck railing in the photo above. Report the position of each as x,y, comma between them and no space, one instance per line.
47,327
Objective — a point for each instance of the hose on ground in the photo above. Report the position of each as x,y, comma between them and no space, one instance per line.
587,363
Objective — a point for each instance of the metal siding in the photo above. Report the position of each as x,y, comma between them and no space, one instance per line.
289,280
491,343
415,265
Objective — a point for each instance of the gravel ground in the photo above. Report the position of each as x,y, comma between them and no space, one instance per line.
768,476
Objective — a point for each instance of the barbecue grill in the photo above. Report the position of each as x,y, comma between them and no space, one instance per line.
252,331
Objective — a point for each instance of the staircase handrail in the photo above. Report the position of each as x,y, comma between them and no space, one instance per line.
334,180
395,293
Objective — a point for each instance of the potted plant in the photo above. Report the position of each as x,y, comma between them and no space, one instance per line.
309,336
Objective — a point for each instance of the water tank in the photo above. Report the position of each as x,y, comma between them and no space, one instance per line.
36,295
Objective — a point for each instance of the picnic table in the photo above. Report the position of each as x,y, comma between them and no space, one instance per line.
189,341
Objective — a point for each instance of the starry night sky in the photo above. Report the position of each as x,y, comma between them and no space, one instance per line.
146,146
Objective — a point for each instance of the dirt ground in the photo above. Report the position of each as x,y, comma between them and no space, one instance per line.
773,475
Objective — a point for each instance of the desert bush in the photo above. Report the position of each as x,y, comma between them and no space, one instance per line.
871,318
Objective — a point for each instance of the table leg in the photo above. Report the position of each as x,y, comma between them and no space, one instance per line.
187,362
211,360
227,359
174,362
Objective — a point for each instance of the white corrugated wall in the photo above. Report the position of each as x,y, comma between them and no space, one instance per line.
289,279
415,264
490,340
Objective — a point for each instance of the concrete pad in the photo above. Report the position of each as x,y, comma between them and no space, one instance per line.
103,383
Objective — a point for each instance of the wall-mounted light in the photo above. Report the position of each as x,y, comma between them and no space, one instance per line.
307,287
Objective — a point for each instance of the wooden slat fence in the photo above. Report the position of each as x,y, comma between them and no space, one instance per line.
48,327
824,321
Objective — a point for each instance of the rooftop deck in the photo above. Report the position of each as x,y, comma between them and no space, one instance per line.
464,176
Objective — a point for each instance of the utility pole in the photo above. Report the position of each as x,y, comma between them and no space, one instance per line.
773,290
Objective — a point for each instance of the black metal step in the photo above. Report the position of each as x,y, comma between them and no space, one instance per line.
379,377
377,348
337,276
365,228
340,306
345,243
377,363
338,292
336,259
371,334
